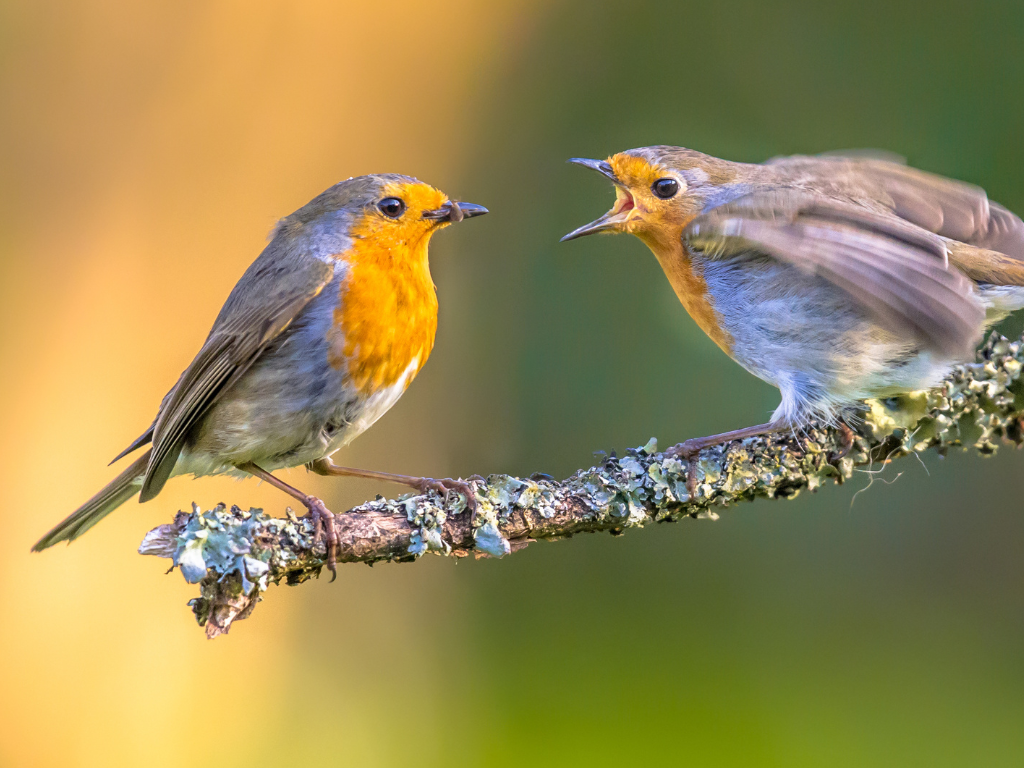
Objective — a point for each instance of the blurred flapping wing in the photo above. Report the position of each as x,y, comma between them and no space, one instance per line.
950,208
897,270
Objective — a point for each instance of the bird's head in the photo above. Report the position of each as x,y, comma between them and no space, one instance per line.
659,190
395,214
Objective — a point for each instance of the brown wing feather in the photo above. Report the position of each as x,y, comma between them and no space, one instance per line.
897,271
949,208
958,211
271,293
1005,233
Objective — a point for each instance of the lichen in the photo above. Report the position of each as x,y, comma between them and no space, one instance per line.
213,541
428,519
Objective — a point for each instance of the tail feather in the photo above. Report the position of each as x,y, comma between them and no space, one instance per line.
138,442
113,495
984,266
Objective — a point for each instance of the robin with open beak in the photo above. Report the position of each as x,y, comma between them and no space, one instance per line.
834,278
317,340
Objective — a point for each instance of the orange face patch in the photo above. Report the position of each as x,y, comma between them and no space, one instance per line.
387,317
662,219
659,224
403,234
635,172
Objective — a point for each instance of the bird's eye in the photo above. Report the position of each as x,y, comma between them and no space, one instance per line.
665,188
391,207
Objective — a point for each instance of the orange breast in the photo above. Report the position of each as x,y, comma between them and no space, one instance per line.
689,287
387,316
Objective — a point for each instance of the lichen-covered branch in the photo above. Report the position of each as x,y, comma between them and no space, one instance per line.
234,555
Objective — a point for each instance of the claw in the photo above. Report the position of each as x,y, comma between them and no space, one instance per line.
444,488
845,444
689,452
324,519
467,490
318,526
690,449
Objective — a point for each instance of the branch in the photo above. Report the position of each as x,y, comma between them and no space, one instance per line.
234,555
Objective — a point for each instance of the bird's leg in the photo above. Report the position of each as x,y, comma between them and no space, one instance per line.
690,449
422,484
323,518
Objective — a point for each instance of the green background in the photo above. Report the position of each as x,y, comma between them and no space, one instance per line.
818,632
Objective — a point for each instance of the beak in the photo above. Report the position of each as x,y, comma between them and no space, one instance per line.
453,212
601,166
617,215
608,223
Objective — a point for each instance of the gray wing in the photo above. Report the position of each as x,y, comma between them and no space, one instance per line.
897,270
271,293
950,208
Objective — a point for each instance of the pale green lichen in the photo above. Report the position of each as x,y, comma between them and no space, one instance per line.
208,541
493,502
428,519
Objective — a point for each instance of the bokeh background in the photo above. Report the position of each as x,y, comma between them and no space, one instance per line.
145,151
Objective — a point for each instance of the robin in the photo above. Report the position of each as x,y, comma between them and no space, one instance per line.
317,340
834,278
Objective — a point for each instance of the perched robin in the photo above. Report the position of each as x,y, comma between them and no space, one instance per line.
834,278
317,340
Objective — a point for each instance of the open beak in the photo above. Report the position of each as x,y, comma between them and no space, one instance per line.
616,217
453,212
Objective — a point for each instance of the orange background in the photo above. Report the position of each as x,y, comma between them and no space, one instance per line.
150,148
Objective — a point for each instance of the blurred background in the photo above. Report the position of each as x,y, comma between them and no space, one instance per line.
145,151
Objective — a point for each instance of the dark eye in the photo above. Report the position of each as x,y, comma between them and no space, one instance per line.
665,188
391,207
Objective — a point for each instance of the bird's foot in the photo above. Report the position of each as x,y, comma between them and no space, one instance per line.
325,528
689,451
844,446
444,486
